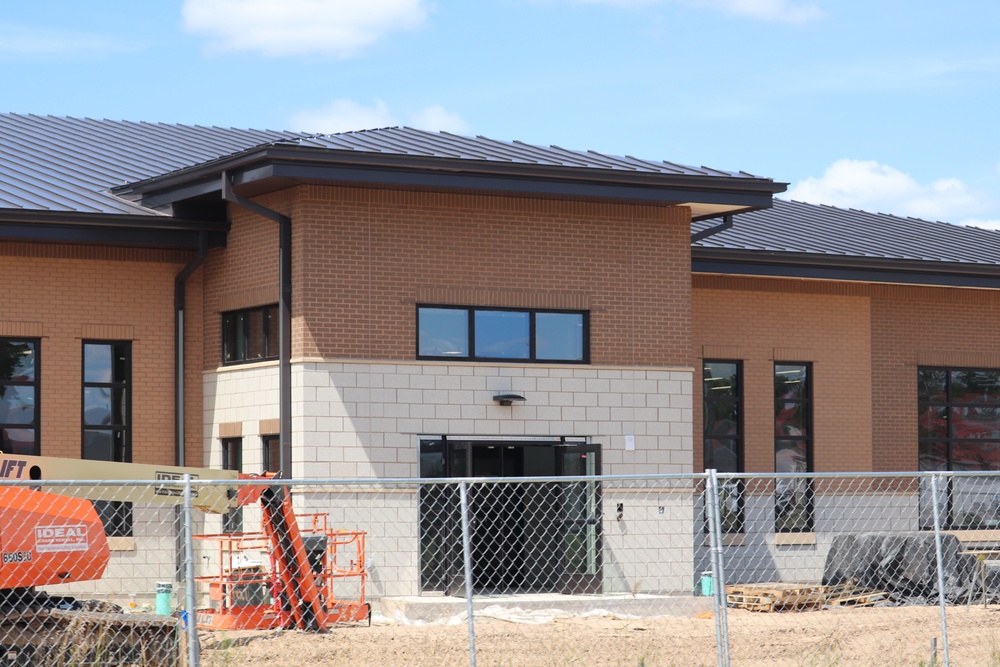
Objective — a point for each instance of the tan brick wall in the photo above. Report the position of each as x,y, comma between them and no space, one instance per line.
914,326
63,294
906,327
763,321
364,257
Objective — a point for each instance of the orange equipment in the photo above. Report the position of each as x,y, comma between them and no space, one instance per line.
297,590
51,534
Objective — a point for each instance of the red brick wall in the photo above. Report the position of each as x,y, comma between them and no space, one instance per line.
64,294
364,257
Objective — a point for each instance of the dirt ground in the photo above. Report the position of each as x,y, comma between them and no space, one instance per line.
883,636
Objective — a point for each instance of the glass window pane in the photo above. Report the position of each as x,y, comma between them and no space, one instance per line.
17,404
272,344
720,380
790,381
17,361
20,441
975,455
722,417
444,332
103,406
790,456
975,386
791,418
559,336
979,422
97,362
931,385
722,454
255,334
933,455
933,422
502,334
431,459
98,445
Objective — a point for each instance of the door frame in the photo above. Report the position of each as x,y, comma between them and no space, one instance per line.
458,460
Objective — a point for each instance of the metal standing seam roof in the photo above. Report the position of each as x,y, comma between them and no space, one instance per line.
792,227
68,164
64,164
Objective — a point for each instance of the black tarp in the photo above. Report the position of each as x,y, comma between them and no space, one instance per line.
905,566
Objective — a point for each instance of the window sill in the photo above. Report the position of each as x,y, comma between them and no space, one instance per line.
728,540
121,543
794,539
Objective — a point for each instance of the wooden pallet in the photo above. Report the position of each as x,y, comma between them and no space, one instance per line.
798,596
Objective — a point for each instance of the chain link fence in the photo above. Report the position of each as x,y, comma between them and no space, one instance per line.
710,569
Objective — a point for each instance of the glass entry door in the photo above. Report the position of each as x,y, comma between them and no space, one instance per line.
525,536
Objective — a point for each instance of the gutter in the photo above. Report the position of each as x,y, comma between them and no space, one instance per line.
284,317
180,459
727,222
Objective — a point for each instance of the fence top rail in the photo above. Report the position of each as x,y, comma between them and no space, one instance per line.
444,481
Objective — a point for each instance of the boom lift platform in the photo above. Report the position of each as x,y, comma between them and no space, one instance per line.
51,534
251,596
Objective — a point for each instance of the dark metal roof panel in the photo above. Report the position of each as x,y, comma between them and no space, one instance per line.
798,227
421,143
50,163
68,164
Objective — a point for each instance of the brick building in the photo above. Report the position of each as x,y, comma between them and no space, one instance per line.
399,303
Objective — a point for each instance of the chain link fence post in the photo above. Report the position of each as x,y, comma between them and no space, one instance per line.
467,566
190,603
940,568
718,569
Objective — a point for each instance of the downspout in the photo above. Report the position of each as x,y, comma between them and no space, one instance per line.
284,317
727,222
180,279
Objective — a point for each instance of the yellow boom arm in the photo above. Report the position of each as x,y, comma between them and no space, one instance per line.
216,499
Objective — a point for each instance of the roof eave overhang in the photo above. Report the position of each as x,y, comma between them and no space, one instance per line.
720,261
283,165
108,229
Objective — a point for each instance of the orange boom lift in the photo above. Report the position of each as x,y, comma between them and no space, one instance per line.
53,535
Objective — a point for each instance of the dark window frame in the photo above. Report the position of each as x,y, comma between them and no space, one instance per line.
270,444
242,317
36,385
532,313
955,514
731,521
116,516
232,459
781,523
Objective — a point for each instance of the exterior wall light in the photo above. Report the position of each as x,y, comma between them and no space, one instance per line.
508,399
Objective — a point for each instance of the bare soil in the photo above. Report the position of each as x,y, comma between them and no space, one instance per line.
882,636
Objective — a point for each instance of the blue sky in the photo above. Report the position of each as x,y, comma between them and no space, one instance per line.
882,105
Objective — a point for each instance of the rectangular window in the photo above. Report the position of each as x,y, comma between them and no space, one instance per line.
232,459
250,335
272,452
107,416
958,412
502,334
19,396
723,434
793,498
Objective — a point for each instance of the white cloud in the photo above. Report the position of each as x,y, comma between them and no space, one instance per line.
343,115
777,11
22,40
870,186
436,118
338,28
